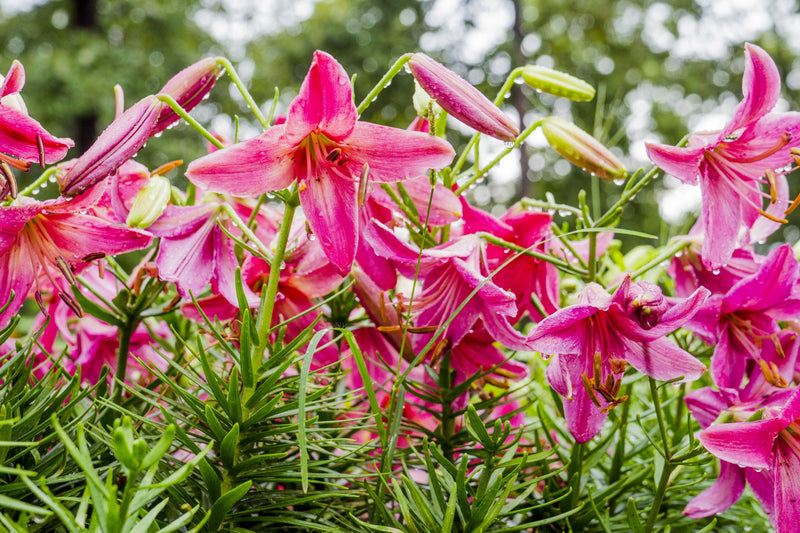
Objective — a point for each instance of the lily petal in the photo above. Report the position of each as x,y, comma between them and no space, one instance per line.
332,212
325,102
761,87
747,444
721,495
681,163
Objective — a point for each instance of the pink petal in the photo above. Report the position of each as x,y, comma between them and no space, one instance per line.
721,495
14,80
120,141
495,298
394,154
747,444
563,332
768,287
722,216
325,102
761,86
18,133
786,470
584,418
706,404
331,208
248,168
188,260
728,360
662,360
501,331
16,274
81,235
683,163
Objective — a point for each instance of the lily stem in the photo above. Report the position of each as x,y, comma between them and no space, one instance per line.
268,301
42,179
242,89
189,120
123,354
383,83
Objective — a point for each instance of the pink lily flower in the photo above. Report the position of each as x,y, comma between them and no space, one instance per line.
732,164
93,344
745,318
765,452
524,276
324,148
54,238
20,135
450,272
593,341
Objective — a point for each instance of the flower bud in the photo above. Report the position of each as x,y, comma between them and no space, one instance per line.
646,304
120,141
557,83
460,99
188,87
150,202
581,149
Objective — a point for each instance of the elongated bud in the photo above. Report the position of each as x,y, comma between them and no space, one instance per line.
557,83
188,87
150,202
581,149
460,99
120,141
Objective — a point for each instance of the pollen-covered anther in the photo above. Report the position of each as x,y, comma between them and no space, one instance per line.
92,256
172,303
773,188
362,184
66,269
503,384
438,350
71,303
589,385
772,374
40,146
10,181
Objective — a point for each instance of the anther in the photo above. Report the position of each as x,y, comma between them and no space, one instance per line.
793,206
773,188
496,382
333,155
38,297
92,257
66,269
172,303
71,303
40,146
589,386
362,184
437,352
598,370
11,181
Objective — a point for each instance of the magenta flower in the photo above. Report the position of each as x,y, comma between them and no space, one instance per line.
593,341
761,446
745,318
732,164
450,273
20,135
324,148
52,239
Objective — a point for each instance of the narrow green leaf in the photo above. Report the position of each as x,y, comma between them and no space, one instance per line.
213,423
301,406
228,447
149,519
213,483
67,520
633,517
157,452
7,502
221,507
450,512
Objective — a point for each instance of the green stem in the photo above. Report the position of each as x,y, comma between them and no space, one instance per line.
482,172
38,182
246,231
243,90
268,303
666,253
558,263
447,421
662,426
125,334
543,204
659,497
189,120
384,81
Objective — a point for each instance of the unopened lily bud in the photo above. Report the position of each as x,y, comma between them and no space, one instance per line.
557,83
646,304
150,202
188,87
120,141
581,149
460,99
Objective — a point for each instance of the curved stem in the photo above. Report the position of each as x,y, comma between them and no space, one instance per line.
170,101
38,182
243,90
125,334
268,301
384,81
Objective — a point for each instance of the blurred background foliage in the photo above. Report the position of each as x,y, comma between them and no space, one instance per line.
661,69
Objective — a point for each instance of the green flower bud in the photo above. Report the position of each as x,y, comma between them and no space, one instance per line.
150,202
557,83
581,149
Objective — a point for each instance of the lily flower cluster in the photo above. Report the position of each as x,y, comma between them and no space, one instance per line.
323,204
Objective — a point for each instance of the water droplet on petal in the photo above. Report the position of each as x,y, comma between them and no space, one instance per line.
715,271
